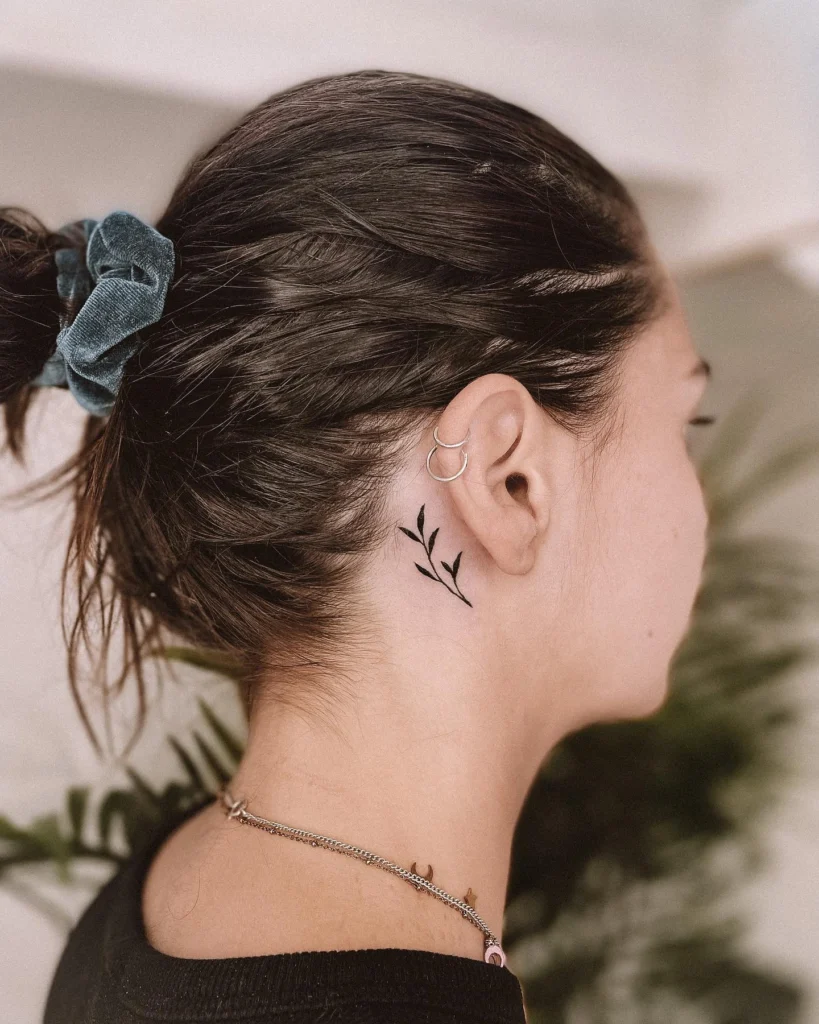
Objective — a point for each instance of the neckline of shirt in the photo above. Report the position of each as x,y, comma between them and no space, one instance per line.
158,986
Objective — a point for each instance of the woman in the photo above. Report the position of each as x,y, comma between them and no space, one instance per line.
391,407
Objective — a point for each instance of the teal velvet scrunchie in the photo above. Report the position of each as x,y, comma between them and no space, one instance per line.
121,288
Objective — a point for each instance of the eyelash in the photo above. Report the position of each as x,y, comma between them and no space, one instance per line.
699,421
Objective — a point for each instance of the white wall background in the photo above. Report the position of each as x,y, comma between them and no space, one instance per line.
707,109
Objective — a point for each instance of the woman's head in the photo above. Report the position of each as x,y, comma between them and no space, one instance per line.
360,258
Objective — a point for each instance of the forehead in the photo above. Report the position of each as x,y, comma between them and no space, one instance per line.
679,343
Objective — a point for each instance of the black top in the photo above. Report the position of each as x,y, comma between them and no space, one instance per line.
110,974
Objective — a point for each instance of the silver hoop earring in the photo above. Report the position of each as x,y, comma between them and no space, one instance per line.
442,444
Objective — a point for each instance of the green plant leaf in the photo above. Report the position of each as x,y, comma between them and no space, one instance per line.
45,830
188,764
118,803
209,660
77,804
152,799
232,745
10,831
221,773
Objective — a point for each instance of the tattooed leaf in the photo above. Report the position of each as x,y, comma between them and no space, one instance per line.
410,534
432,537
447,566
455,564
426,572
421,521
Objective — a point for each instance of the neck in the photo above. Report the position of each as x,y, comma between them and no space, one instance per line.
428,765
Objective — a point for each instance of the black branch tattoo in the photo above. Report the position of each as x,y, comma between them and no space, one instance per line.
428,546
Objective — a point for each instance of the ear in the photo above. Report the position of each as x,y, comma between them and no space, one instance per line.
503,496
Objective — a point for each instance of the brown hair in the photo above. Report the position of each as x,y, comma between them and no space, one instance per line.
352,253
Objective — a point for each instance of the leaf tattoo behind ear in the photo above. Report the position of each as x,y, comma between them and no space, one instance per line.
428,546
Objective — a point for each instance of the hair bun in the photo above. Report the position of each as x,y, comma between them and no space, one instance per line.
30,305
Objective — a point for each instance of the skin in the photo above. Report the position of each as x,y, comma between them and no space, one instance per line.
581,574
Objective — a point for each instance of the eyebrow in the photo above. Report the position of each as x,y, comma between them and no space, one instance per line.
703,367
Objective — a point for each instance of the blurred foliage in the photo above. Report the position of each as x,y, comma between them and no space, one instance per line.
635,835
137,811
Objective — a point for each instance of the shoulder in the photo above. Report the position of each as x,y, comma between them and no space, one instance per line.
172,896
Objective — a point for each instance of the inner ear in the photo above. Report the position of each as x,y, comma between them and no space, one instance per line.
516,485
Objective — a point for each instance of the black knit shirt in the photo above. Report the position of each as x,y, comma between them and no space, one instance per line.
110,974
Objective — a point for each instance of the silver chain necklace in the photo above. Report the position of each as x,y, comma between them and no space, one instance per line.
493,952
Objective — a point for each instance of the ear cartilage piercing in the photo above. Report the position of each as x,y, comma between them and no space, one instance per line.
442,444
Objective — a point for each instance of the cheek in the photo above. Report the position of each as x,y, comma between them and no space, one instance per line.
674,539
656,544
644,543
